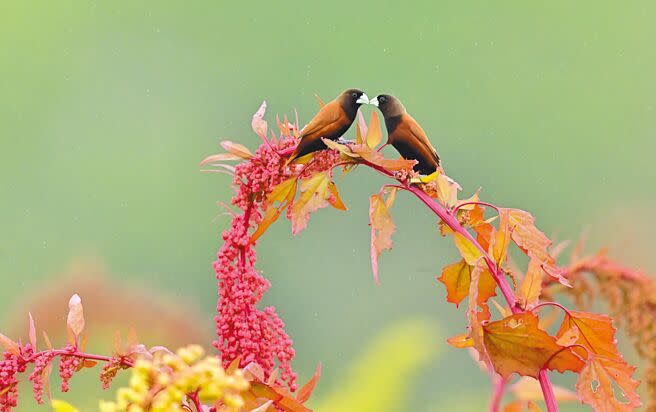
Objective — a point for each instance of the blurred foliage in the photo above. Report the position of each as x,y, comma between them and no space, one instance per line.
381,377
109,106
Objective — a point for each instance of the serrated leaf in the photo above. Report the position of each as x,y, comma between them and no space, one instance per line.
9,345
467,249
237,149
516,345
32,332
306,391
281,192
374,134
382,228
75,319
595,386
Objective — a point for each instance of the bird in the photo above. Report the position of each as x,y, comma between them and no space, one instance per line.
405,134
331,122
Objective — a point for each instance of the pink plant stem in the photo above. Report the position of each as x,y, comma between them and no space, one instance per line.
499,389
497,273
89,356
547,390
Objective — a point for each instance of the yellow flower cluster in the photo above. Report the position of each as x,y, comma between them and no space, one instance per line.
161,384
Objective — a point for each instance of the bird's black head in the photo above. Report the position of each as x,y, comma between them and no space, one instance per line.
389,105
351,100
354,97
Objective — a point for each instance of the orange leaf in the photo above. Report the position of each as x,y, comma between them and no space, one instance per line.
499,245
475,318
531,286
467,249
270,215
280,397
457,277
461,341
237,149
32,332
335,200
374,135
516,345
305,392
531,240
596,333
596,381
75,319
382,228
314,195
9,345
232,367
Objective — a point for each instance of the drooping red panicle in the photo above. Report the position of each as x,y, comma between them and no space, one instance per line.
243,329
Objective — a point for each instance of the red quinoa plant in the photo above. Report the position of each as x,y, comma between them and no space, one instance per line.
253,371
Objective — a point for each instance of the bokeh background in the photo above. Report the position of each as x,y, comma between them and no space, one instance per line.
107,107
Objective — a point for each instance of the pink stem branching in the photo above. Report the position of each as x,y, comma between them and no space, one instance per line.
495,270
497,396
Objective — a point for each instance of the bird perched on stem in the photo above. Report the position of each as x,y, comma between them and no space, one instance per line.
405,134
331,122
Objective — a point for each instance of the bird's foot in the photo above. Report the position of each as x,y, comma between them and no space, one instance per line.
344,141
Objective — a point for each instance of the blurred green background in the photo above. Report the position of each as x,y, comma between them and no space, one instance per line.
107,108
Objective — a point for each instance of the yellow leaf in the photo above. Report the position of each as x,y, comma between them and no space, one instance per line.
314,195
457,277
531,286
374,135
62,406
447,190
468,251
281,192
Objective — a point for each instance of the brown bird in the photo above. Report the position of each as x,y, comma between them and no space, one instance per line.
331,122
405,134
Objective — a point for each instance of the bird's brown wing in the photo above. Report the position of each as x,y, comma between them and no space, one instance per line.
324,121
421,137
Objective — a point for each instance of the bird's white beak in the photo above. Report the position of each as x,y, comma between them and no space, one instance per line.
364,99
374,101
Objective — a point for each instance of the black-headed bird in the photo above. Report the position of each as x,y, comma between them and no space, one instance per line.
405,134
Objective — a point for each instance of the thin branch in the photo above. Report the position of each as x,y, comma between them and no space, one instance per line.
497,396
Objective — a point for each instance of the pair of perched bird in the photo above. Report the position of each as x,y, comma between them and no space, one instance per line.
404,133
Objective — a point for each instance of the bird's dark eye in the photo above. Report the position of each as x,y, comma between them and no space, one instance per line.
354,94
382,99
